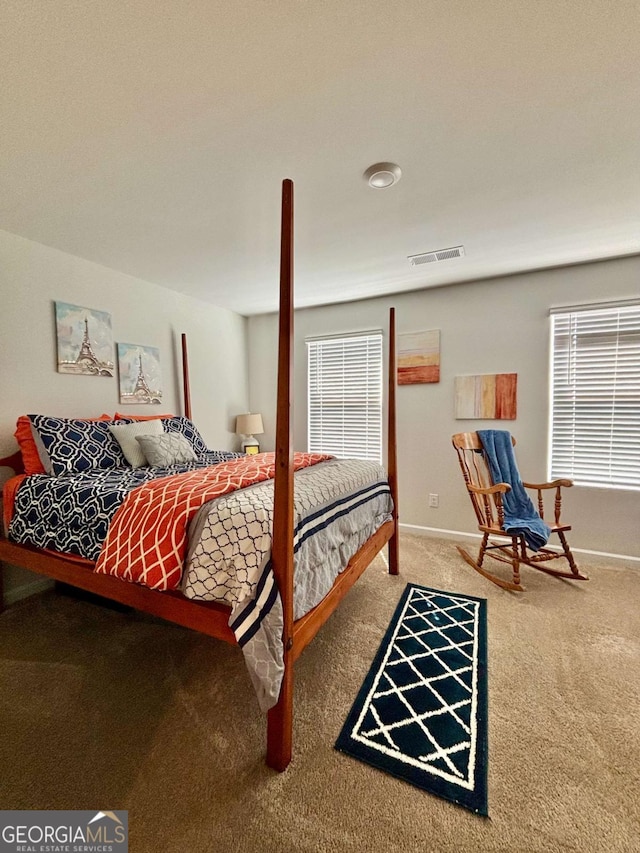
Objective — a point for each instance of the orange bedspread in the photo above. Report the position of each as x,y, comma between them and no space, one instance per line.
9,498
147,538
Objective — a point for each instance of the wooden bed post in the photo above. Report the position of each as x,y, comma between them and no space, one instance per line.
185,378
280,717
392,459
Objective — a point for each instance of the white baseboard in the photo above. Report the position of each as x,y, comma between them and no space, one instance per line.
419,530
11,596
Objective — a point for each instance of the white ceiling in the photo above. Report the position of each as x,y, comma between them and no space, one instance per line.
152,137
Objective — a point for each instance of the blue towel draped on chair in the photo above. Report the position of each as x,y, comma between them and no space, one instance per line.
520,515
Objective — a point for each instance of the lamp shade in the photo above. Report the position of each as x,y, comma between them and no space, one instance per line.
249,424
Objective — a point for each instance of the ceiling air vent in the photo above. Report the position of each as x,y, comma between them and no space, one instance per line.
438,255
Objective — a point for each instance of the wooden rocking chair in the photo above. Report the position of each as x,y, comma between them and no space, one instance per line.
486,498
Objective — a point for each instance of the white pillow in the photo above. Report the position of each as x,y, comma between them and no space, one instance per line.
126,434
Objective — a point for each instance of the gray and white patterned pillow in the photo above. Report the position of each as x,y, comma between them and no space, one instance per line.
126,435
178,425
166,449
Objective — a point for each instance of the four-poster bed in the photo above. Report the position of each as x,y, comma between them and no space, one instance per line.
212,617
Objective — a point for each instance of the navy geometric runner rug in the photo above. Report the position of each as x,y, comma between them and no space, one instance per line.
421,714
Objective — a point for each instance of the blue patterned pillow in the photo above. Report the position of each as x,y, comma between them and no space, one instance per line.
185,427
71,446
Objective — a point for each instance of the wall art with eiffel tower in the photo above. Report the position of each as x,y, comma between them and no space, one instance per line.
139,370
85,340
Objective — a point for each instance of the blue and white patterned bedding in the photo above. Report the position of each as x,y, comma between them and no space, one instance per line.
71,512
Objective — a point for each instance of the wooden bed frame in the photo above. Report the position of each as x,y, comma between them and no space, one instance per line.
211,618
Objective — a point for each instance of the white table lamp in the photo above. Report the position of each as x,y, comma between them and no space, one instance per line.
247,426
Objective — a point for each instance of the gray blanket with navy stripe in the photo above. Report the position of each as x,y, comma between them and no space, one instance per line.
338,505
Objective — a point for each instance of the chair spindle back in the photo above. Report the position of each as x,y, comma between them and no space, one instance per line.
488,508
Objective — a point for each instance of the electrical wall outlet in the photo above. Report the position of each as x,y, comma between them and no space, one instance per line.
433,500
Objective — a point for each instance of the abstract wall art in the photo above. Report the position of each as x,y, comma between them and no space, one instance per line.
419,357
487,396
85,340
140,377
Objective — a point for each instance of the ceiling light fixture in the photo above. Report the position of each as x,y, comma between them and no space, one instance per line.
382,175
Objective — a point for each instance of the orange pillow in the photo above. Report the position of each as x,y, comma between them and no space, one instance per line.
141,417
30,455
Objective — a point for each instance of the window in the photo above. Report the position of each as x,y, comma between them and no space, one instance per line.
595,395
345,396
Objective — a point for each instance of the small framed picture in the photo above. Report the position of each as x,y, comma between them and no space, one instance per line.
140,380
85,340
419,357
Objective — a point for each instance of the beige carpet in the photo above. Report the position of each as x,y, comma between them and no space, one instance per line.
107,710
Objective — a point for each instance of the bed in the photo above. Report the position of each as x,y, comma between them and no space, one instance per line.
187,603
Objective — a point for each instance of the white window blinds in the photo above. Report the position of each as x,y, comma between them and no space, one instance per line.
345,396
595,396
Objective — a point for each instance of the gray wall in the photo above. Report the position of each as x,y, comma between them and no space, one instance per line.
32,276
494,326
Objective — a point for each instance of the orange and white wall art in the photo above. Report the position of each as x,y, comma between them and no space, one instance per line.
419,357
488,395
